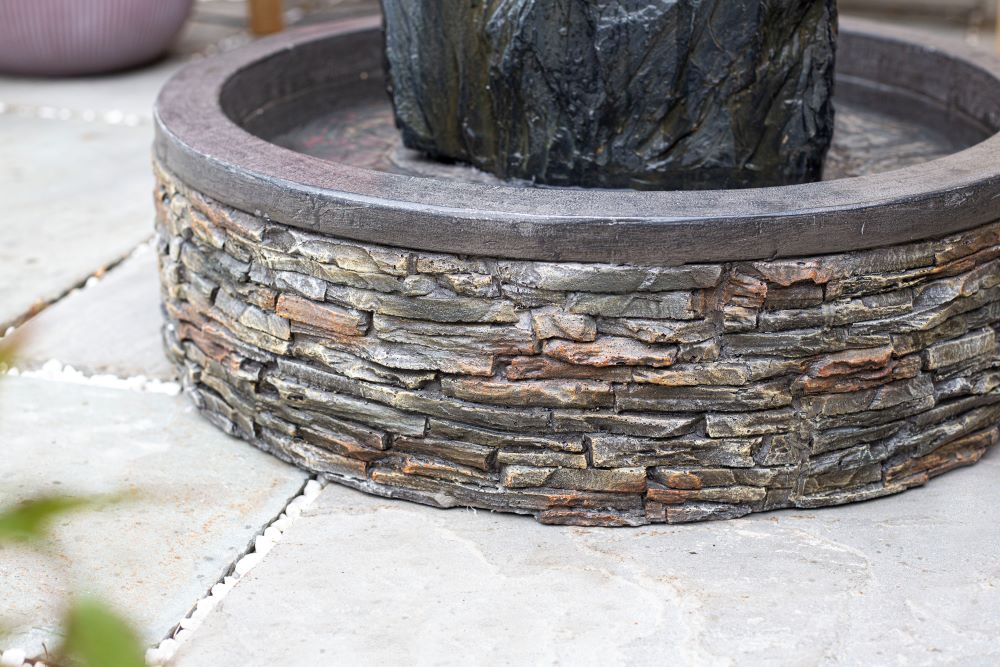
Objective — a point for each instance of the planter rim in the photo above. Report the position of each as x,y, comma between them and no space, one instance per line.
200,144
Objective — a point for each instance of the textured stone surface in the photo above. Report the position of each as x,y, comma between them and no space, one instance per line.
911,580
790,383
201,499
60,225
112,327
684,94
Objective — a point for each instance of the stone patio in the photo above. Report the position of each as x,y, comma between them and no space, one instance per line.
910,579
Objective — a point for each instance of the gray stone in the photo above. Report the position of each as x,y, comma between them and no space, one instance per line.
113,327
608,279
748,424
654,305
296,394
616,451
616,480
491,438
200,499
401,355
951,352
434,308
473,580
73,204
658,331
357,368
759,396
556,323
470,338
653,425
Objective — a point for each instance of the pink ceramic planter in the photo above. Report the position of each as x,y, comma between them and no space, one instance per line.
67,37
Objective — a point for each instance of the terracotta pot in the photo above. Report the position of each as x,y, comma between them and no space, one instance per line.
67,37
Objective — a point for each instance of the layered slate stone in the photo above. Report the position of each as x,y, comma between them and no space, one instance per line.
670,95
588,394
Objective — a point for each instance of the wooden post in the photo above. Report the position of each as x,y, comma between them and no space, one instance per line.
266,16
998,25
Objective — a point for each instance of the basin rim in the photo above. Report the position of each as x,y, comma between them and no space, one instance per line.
198,142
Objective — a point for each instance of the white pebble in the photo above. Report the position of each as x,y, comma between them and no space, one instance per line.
13,657
192,623
204,606
312,489
183,635
220,589
247,562
168,647
154,657
52,366
262,544
281,523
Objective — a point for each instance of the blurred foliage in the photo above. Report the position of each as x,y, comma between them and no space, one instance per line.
96,636
30,520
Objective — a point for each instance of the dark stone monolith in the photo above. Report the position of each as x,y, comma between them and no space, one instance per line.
668,94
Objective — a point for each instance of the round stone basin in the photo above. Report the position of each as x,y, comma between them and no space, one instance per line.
593,357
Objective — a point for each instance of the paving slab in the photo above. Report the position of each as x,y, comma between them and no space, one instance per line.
111,327
76,197
913,579
202,498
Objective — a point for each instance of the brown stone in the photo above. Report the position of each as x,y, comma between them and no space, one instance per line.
609,351
724,374
323,315
437,468
464,453
540,458
961,452
620,480
544,393
572,517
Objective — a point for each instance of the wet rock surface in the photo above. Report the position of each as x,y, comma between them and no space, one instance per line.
668,95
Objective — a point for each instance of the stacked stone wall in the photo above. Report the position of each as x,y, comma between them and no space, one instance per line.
586,394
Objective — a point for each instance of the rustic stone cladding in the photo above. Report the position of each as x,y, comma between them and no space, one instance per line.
586,394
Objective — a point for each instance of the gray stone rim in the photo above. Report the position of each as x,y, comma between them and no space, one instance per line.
200,144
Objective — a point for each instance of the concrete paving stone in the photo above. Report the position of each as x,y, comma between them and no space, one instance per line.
913,579
130,93
111,327
202,497
76,197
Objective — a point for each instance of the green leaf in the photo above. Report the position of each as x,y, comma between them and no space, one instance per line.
30,520
96,636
